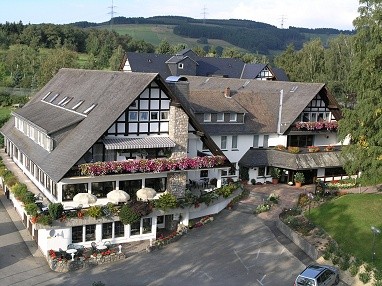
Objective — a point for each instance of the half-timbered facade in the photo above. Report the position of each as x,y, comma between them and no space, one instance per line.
94,132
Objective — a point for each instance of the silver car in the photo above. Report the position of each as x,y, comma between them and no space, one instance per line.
318,275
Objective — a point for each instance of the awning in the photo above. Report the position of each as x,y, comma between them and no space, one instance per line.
138,143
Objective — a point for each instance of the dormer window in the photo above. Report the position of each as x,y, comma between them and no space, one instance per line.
180,65
233,117
220,117
54,97
46,95
90,108
207,117
77,105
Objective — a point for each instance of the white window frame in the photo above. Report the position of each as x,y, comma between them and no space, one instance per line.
223,139
220,117
234,142
207,117
233,117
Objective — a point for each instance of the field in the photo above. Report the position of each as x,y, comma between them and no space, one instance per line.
154,34
349,219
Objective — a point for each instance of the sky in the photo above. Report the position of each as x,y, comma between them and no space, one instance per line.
337,14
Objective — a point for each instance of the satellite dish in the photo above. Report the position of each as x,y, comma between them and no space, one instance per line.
52,232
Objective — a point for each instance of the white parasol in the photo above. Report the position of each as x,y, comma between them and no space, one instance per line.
84,198
118,196
146,194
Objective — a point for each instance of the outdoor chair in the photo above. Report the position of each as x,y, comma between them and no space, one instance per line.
94,246
108,244
71,246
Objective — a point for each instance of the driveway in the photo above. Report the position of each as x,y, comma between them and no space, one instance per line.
237,248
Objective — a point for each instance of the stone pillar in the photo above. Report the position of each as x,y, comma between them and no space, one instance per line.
178,131
176,183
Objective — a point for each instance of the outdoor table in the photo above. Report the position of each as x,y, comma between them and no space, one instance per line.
72,252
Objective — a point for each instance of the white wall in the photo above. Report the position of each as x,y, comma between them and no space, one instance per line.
325,139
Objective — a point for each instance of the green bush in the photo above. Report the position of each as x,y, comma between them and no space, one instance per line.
262,208
128,216
378,283
9,178
353,269
31,209
364,277
94,211
226,190
378,274
55,210
166,201
44,220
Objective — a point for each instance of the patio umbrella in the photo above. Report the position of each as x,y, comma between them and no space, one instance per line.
146,194
84,198
118,196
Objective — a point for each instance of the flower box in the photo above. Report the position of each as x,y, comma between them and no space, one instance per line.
313,149
320,125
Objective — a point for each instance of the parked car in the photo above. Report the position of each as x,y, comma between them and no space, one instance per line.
318,275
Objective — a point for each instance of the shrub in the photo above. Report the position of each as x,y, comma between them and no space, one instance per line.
353,269
9,179
273,198
262,208
345,262
378,283
280,147
299,177
56,210
128,216
226,190
166,201
364,277
275,173
94,211
378,274
31,209
27,197
44,219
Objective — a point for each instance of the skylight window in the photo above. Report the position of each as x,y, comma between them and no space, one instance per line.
54,97
77,105
62,100
46,95
66,101
90,108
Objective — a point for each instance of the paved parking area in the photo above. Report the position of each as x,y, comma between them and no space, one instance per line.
237,248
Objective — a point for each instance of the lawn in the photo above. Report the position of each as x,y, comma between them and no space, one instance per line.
348,219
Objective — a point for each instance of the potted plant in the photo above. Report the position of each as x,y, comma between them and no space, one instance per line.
299,179
276,174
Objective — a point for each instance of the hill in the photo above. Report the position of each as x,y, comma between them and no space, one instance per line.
251,36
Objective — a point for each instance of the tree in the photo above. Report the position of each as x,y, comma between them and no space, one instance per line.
363,124
164,48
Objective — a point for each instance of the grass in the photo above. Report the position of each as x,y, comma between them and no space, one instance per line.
348,220
154,34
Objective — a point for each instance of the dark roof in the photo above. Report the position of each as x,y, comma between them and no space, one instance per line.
205,66
259,157
113,92
250,71
280,74
149,63
259,99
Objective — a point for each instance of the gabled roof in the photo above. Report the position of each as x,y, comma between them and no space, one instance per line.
113,92
149,63
260,99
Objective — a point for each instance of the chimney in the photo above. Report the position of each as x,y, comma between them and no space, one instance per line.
227,92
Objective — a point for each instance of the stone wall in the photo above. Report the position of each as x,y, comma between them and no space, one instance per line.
178,131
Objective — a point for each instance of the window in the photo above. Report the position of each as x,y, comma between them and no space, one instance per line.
164,115
204,147
261,172
54,97
255,141
305,117
135,228
107,230
62,100
119,229
90,232
265,142
77,105
146,222
90,108
223,142
220,117
143,116
46,95
133,115
204,174
77,234
207,117
234,142
154,115
180,65
233,117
